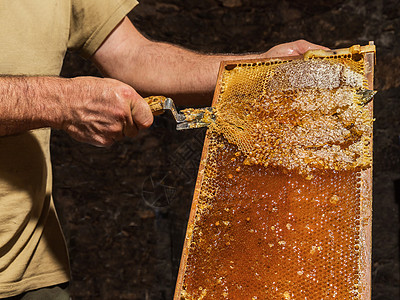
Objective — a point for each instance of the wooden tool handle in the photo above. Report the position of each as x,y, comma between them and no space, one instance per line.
156,104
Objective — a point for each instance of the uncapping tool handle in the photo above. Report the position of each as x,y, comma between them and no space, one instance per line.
156,104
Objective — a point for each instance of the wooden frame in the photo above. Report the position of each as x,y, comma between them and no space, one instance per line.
366,175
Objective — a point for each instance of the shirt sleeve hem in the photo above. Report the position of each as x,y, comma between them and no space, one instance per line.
98,36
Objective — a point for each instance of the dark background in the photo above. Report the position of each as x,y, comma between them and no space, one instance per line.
124,209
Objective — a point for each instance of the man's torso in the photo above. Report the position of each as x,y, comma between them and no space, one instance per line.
33,41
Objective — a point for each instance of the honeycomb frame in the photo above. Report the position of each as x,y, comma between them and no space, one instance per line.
365,175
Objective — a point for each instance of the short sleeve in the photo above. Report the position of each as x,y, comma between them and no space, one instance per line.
93,20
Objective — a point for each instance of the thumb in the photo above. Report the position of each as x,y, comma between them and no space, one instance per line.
141,113
302,46
298,47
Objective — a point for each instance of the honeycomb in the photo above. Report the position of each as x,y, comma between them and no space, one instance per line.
279,210
300,114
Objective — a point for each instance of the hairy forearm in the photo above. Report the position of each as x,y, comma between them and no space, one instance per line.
160,68
30,102
165,69
92,110
187,76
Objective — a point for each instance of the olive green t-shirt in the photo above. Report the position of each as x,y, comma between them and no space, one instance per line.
34,36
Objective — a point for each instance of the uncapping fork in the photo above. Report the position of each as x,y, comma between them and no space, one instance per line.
185,119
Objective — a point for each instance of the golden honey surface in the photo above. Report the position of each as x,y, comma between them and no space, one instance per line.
272,234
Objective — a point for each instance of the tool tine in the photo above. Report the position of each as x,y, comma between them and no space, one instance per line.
366,96
186,118
196,118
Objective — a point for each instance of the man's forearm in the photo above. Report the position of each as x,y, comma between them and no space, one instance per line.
29,102
165,69
92,110
176,72
159,68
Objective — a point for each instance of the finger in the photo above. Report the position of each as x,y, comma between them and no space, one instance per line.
302,46
282,50
141,113
130,129
94,140
298,47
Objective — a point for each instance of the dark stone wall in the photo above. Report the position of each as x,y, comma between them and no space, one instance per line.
124,209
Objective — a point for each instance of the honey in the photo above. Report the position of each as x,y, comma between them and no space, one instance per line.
278,212
282,235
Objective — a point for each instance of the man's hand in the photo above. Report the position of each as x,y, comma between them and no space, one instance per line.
102,111
298,47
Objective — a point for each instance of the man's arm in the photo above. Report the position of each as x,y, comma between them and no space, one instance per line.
92,110
100,111
160,68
